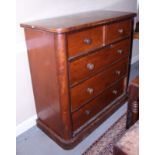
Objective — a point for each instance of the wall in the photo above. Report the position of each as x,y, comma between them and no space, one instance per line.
29,10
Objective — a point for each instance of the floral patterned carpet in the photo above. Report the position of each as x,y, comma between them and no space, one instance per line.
104,145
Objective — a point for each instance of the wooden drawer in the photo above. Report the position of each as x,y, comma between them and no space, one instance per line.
118,31
100,102
85,66
82,41
81,93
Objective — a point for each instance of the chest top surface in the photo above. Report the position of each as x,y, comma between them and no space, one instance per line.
77,21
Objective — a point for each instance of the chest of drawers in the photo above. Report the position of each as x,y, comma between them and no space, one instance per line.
79,68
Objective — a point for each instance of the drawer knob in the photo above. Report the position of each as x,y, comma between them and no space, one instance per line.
87,41
87,112
120,51
111,46
90,66
118,72
115,92
120,31
90,90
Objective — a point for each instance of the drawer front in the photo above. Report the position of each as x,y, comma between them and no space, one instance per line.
85,66
100,102
82,41
81,93
118,31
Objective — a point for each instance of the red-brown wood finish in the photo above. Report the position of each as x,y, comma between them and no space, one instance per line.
42,60
62,75
118,151
78,21
69,56
133,102
98,60
81,41
88,89
118,30
97,104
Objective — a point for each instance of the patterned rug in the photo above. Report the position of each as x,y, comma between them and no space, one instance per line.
104,145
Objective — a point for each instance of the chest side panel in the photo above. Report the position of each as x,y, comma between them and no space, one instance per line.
42,61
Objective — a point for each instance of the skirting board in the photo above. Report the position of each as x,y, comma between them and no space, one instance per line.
26,125
134,59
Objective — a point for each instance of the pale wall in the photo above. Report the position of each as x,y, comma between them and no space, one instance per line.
36,9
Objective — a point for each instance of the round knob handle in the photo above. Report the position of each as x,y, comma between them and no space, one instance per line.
90,90
87,41
87,112
120,31
111,46
32,26
120,51
114,92
90,66
118,72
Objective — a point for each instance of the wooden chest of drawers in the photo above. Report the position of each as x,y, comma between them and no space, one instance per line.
79,68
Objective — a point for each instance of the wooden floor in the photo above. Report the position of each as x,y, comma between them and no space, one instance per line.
35,142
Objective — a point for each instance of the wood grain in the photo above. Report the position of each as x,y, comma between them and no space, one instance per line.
100,102
78,21
42,60
100,60
80,93
82,41
118,31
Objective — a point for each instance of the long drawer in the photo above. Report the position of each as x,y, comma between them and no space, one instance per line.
84,40
85,66
118,30
99,103
88,89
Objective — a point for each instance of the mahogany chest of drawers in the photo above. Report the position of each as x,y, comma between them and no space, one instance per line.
79,67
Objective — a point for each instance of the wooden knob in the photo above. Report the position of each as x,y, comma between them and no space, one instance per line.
32,26
120,31
115,92
90,90
87,41
111,46
118,72
87,112
120,51
90,66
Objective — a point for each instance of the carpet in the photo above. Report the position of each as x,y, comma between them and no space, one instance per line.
104,145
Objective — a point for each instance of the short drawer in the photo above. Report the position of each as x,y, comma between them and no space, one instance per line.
85,91
99,103
82,41
85,66
118,31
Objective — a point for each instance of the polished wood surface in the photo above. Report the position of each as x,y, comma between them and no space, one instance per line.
118,151
136,35
42,60
81,41
78,136
118,31
74,70
133,102
77,21
96,105
97,61
62,77
90,88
